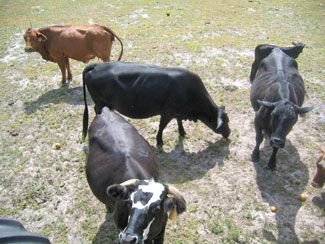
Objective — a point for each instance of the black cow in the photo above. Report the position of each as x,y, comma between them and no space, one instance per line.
277,94
122,172
263,50
141,91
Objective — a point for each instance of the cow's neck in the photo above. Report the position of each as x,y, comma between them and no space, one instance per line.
44,53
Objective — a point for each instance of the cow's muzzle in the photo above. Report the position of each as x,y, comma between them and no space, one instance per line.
127,239
277,142
28,50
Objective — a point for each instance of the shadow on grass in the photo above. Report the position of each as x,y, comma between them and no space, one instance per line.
107,232
278,188
73,96
180,166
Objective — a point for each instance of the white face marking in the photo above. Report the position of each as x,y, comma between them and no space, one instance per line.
153,187
146,230
220,122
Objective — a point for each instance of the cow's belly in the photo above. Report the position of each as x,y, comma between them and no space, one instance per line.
82,58
137,111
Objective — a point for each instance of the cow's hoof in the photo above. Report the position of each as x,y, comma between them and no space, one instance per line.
160,145
255,156
270,168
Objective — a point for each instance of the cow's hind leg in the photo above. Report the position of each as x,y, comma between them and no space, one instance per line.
98,108
164,120
61,64
272,161
259,139
181,130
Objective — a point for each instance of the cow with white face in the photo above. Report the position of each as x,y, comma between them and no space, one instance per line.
122,172
148,206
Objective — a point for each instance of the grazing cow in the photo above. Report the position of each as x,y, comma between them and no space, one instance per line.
277,94
141,91
79,42
319,178
263,50
122,172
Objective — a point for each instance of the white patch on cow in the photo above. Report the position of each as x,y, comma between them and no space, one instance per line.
146,230
220,122
153,187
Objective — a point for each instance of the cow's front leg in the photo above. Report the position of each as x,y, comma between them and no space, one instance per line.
164,120
181,130
272,161
67,65
61,64
259,139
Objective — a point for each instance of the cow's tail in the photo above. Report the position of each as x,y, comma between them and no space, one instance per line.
113,36
85,116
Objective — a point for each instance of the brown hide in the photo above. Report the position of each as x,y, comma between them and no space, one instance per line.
319,178
79,42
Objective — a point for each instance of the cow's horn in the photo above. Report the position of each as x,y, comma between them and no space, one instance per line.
129,182
173,191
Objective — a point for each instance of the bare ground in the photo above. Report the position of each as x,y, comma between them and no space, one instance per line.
229,197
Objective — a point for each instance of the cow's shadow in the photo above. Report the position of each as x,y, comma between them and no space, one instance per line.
319,201
107,232
64,94
179,165
279,188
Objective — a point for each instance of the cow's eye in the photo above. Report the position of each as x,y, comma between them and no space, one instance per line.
156,210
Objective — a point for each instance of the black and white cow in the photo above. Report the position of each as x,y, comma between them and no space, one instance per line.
122,172
141,91
277,94
263,50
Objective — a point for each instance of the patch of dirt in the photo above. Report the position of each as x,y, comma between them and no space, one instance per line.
229,197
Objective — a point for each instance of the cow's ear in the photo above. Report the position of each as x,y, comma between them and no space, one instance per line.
174,207
118,192
266,104
302,110
41,37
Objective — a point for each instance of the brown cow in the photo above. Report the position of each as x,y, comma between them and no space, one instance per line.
319,179
79,42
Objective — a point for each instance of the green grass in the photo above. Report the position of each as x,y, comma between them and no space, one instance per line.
47,189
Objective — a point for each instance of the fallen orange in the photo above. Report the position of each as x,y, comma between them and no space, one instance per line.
273,209
302,197
57,145
224,140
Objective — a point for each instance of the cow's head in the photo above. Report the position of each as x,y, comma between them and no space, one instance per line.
34,40
219,123
283,117
319,178
148,206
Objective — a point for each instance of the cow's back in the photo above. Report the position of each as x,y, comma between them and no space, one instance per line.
79,42
117,152
277,78
141,90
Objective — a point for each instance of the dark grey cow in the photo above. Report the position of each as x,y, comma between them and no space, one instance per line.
122,172
277,95
263,50
142,91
